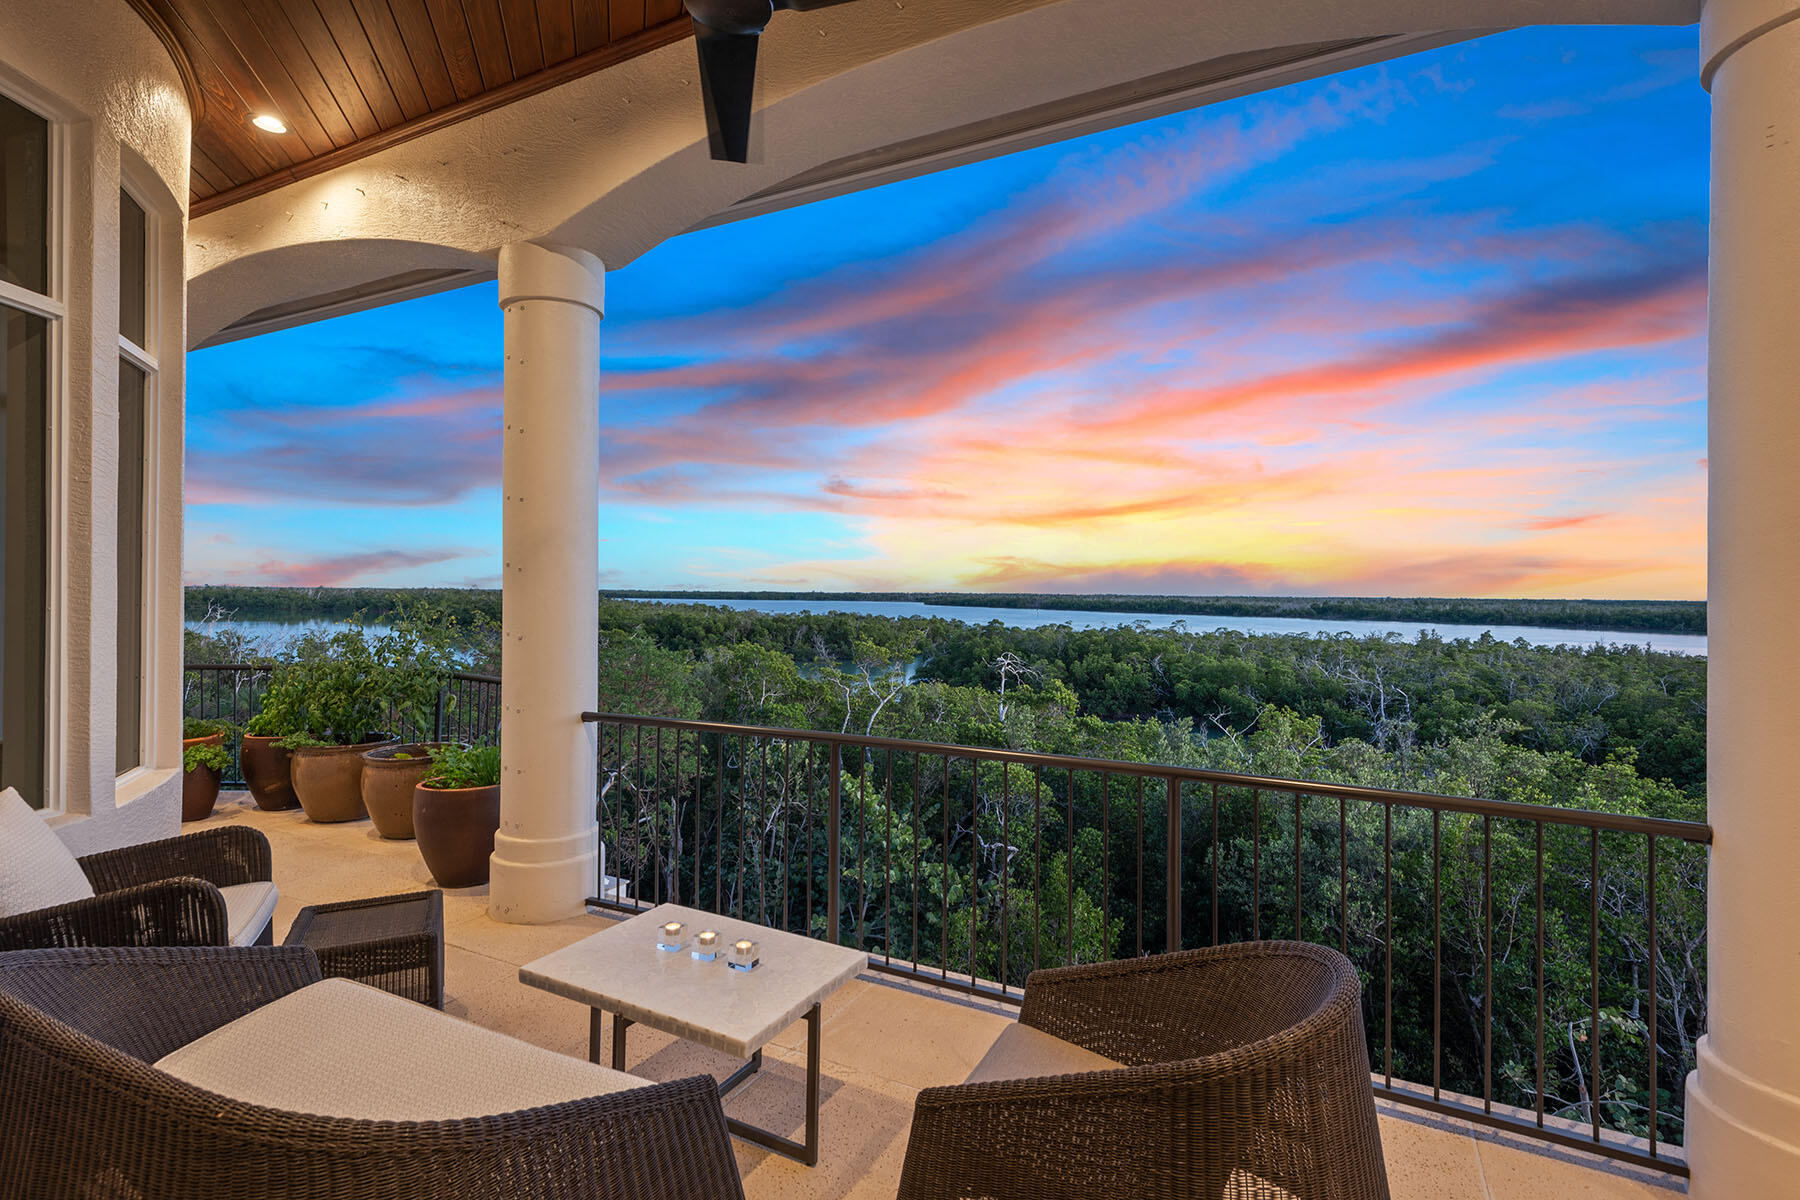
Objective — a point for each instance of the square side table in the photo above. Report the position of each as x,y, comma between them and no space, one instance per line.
622,971
395,943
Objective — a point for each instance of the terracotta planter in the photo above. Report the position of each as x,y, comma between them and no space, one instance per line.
199,789
328,780
388,782
455,828
266,773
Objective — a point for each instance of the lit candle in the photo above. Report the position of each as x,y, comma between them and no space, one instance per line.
743,955
672,936
706,946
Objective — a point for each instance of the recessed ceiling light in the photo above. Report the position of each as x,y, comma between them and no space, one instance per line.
269,123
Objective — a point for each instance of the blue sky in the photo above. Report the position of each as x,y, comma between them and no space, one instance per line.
1434,326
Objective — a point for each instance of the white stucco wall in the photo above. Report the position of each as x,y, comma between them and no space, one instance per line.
96,69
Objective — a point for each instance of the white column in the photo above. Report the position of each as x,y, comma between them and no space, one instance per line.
546,854
1743,1115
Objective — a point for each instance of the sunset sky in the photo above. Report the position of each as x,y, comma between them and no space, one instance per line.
1431,327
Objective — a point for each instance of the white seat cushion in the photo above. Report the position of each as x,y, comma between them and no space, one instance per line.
341,1049
36,869
248,909
1026,1053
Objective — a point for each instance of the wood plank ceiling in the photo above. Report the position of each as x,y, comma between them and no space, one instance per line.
349,77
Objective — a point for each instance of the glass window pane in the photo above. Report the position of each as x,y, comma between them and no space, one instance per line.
132,269
131,568
24,442
24,197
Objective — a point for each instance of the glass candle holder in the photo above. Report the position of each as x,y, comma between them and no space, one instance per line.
745,955
706,946
671,936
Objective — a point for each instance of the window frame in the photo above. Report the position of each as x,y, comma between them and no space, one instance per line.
144,358
52,306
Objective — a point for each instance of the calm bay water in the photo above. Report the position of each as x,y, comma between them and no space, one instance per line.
274,634
1032,618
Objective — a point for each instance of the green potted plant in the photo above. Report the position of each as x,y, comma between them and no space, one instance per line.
338,694
389,775
203,764
456,812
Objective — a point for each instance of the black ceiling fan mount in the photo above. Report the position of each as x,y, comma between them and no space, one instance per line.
726,33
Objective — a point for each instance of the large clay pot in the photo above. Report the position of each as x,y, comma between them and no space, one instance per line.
328,780
266,772
199,787
388,781
455,828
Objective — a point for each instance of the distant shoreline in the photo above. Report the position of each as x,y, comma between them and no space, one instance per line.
1623,616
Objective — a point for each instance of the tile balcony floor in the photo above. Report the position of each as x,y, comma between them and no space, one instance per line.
884,1039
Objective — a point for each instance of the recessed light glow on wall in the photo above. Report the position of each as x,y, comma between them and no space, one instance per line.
269,123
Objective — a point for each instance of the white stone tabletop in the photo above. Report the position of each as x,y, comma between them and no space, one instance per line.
622,970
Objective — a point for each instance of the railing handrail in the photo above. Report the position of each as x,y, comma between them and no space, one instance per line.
470,676
1687,831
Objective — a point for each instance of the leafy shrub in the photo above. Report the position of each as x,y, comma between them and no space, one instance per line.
463,767
213,756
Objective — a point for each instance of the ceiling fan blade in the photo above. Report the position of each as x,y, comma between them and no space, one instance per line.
728,88
726,32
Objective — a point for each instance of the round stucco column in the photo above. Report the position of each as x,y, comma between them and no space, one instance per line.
546,855
1743,1131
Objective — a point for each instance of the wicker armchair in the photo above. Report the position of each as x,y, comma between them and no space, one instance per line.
89,1116
1245,1075
163,893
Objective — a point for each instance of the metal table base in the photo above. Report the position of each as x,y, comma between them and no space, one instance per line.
806,1152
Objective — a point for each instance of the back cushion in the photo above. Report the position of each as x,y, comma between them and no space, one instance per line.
36,869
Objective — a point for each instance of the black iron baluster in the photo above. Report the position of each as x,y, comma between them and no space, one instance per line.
917,795
762,814
1387,937
1594,978
944,920
1172,902
1650,897
656,815
1299,871
1037,867
1437,955
1215,864
974,861
719,836
1069,844
1538,963
1140,866
787,849
1487,964
1105,865
1343,880
834,844
887,869
1005,847
1255,864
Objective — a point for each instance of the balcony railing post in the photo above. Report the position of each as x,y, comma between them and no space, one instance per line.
437,718
1173,882
834,841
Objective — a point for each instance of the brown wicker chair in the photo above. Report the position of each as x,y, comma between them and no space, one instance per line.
84,1114
1245,1075
163,893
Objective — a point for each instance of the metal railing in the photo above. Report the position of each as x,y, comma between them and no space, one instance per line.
1536,969
467,708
